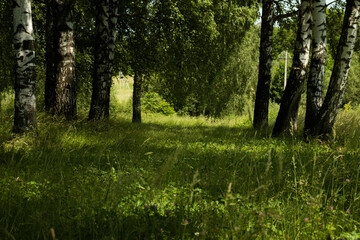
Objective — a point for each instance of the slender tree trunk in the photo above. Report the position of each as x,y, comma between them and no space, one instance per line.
265,61
286,120
137,98
25,79
50,69
334,96
104,56
64,60
317,67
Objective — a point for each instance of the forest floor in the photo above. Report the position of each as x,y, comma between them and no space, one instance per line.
175,177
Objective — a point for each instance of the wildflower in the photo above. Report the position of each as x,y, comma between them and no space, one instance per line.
348,211
347,180
331,208
197,234
307,220
184,222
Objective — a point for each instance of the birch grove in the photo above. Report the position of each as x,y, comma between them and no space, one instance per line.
326,119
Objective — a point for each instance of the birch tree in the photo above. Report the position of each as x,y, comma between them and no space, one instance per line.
318,62
324,123
50,68
25,79
106,19
64,60
287,117
265,61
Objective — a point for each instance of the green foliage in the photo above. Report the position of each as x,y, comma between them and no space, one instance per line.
153,102
203,49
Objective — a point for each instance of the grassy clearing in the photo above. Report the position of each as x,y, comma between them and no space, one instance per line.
177,178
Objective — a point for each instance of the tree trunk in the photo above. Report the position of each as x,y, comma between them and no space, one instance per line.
286,120
317,67
104,55
50,69
137,98
265,61
333,100
25,79
64,60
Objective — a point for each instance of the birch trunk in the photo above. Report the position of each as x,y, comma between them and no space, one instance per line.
104,57
286,120
25,79
265,61
50,68
64,60
333,100
317,67
137,98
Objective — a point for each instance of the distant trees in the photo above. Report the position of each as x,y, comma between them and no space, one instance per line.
25,79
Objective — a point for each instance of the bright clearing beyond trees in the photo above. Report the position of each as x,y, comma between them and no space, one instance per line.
196,119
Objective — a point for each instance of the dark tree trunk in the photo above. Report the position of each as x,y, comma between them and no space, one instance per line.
104,56
326,118
286,120
265,61
64,60
50,69
317,67
137,98
25,79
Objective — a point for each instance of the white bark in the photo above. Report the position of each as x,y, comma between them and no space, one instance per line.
334,96
318,62
25,99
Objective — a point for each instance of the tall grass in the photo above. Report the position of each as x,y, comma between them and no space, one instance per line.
177,178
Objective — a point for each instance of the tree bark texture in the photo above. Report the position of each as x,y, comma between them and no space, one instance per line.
137,98
104,56
286,120
64,60
50,68
333,100
318,62
265,61
25,77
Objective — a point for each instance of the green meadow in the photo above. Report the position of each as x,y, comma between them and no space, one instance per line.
176,177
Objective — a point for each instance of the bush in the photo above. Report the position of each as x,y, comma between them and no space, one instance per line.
153,102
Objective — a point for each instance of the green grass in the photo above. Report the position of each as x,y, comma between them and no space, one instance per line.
176,178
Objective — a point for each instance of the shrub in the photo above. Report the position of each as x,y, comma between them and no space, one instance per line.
153,102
